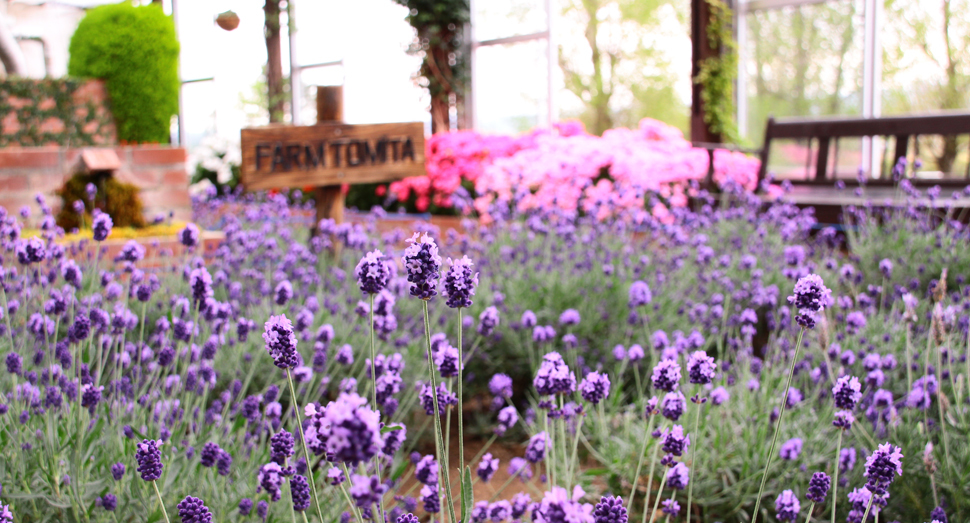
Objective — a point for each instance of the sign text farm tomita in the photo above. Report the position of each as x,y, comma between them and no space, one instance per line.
327,154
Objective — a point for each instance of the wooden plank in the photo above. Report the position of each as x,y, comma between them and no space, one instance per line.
933,124
276,157
822,162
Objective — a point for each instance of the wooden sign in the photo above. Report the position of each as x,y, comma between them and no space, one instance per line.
277,157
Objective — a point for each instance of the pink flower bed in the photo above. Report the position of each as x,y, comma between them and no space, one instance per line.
566,169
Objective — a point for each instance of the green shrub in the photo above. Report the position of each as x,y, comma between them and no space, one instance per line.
118,199
134,49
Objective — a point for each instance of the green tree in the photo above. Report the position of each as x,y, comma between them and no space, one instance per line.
134,49
619,73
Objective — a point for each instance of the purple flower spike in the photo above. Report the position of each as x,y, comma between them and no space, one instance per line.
372,273
300,490
193,510
787,506
818,487
487,467
701,368
280,341
189,236
678,476
666,376
423,265
791,449
595,387
882,467
554,376
847,392
610,510
460,283
149,459
101,226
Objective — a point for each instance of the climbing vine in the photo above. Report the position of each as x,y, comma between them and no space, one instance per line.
53,112
716,74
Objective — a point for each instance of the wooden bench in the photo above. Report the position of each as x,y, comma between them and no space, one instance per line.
823,136
818,189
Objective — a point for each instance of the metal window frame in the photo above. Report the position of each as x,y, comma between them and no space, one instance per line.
551,62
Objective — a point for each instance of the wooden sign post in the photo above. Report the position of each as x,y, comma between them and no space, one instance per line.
330,154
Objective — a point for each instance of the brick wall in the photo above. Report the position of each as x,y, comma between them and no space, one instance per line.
159,171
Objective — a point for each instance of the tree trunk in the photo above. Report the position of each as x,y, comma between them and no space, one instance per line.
440,69
10,53
274,62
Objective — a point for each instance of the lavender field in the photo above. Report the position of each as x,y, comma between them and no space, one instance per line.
733,363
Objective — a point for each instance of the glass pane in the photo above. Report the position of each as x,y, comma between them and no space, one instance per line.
501,18
504,104
198,111
926,63
803,61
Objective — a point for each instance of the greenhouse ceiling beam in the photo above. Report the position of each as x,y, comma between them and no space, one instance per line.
764,5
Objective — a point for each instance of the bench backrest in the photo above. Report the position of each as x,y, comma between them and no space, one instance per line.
825,130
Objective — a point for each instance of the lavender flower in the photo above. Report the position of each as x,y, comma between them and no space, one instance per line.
426,471
569,317
270,478
810,297
595,387
487,467
674,441
201,284
488,320
109,502
372,273
280,341
535,451
193,510
818,487
118,471
673,405
847,392
347,428
554,376
283,292
791,449
719,396
300,491
787,506
670,507
639,294
610,510
245,506
882,467
429,496
460,283
149,459
678,476
101,226
843,420
500,385
666,376
189,236
557,506
701,368
423,264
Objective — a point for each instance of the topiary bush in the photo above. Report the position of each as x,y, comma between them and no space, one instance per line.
134,49
119,200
